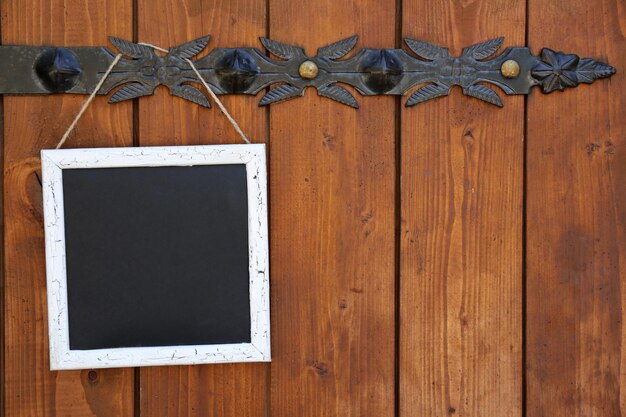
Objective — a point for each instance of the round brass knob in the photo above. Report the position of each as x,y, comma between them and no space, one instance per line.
509,69
308,70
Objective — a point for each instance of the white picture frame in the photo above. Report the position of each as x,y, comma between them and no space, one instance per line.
55,161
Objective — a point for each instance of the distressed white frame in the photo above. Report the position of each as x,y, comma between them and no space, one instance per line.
55,161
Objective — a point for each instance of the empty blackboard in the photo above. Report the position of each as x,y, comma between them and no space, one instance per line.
156,255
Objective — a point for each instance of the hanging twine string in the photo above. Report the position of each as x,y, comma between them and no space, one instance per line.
88,101
209,90
108,72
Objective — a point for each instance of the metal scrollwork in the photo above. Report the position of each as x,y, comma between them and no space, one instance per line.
426,71
146,71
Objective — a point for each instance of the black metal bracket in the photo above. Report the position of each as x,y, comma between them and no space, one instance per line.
77,70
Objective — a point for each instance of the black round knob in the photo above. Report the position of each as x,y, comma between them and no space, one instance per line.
382,70
58,69
236,71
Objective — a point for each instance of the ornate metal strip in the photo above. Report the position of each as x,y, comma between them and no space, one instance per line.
42,70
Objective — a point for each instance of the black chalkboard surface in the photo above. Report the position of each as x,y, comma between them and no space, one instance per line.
157,256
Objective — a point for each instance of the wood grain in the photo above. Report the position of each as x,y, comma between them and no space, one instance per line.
332,237
33,123
461,230
576,221
232,390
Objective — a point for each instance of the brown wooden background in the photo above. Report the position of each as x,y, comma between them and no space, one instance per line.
449,259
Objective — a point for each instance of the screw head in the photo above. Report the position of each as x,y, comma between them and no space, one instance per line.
236,71
510,69
381,70
308,70
58,69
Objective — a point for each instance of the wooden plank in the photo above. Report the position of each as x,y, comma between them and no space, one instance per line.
461,230
231,390
332,237
32,123
576,220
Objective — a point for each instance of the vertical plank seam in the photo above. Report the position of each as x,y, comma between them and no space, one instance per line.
2,267
524,251
2,271
524,229
398,221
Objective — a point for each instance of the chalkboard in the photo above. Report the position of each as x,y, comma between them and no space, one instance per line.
156,255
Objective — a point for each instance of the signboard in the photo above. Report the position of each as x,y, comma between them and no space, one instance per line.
156,255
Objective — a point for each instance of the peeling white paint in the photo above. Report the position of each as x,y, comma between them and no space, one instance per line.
54,161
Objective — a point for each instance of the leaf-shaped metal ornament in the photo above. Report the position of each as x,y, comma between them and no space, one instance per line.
190,93
338,49
281,50
338,93
421,70
483,93
131,49
427,92
280,93
426,50
590,70
484,49
130,91
190,49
